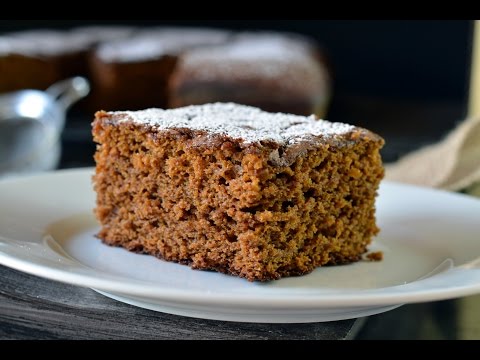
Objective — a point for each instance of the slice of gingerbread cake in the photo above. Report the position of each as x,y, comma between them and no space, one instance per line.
231,188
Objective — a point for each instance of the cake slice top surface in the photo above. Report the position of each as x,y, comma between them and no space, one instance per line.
258,47
239,122
47,42
150,44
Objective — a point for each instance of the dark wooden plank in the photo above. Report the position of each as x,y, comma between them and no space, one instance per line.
36,308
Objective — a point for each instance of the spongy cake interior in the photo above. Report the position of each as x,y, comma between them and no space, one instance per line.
221,205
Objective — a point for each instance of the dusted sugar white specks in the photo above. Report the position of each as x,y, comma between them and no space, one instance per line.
157,42
247,123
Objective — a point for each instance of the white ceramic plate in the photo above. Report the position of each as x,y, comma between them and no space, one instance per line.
430,240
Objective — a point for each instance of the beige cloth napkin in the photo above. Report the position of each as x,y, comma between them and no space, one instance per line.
452,164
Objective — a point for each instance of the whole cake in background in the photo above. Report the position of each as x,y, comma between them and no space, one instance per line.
133,68
231,188
273,71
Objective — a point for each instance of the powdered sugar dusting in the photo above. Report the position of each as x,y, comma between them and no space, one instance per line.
157,42
46,42
264,45
245,123
41,43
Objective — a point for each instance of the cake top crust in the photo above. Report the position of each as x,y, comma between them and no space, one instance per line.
262,45
95,34
43,42
240,122
48,42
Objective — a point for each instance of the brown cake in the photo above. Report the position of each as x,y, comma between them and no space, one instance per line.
133,73
274,71
231,188
130,68
36,59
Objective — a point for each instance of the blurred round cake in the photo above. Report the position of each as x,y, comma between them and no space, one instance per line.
273,71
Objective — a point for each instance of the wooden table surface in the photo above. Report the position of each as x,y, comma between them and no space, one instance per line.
36,308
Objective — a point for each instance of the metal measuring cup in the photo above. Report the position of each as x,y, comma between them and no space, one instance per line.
31,123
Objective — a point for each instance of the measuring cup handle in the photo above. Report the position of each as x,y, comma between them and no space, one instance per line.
67,92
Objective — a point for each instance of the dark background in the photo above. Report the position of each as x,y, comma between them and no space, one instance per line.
406,79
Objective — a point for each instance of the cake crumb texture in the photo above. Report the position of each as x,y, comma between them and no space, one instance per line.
260,208
375,256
